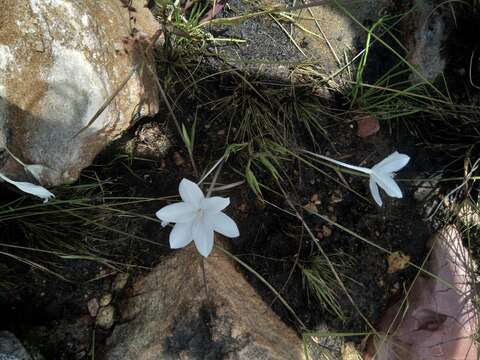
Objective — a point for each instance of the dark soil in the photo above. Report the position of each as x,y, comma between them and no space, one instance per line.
270,242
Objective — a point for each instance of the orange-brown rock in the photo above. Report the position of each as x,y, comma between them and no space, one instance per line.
168,316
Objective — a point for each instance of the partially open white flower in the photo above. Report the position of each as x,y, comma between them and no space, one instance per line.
29,188
196,218
381,174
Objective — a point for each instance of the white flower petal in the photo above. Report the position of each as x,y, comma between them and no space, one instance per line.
203,237
222,224
190,192
181,235
29,188
386,182
214,204
392,163
177,213
375,192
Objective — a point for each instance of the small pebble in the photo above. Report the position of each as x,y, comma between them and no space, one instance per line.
367,125
106,299
120,281
93,307
106,317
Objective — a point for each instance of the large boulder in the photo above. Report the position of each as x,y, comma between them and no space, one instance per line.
60,60
168,316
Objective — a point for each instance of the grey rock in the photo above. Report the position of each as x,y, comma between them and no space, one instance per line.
49,93
427,28
8,357
11,348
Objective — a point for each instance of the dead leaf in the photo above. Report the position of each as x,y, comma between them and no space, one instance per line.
397,261
349,352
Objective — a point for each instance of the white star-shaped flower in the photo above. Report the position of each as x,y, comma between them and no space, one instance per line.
196,218
30,188
381,174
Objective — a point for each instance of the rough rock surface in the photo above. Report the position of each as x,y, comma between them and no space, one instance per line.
438,320
60,60
325,34
11,348
169,317
427,27
331,33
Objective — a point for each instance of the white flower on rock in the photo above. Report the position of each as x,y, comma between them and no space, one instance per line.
30,188
381,174
196,218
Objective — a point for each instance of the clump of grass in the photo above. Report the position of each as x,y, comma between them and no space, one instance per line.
401,97
322,283
88,221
